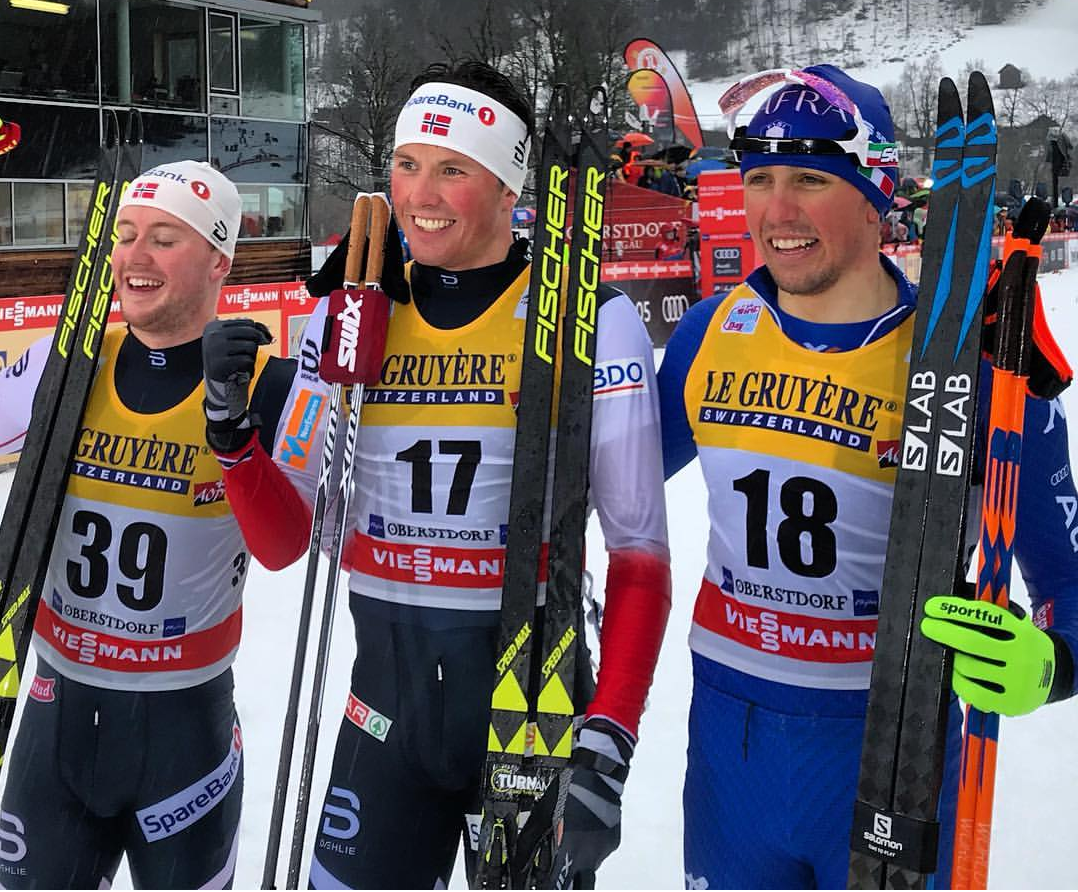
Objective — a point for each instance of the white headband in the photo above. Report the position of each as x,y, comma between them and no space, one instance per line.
468,122
200,195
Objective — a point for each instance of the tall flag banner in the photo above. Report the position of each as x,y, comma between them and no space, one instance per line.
10,133
652,97
643,53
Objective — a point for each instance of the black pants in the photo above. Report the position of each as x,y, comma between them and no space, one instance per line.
406,776
97,773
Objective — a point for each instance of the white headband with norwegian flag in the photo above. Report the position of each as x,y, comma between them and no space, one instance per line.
471,123
195,192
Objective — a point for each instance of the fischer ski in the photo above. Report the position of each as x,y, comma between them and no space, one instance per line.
534,699
894,842
37,492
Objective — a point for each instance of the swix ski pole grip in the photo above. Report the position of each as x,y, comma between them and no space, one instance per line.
356,318
357,238
359,319
376,252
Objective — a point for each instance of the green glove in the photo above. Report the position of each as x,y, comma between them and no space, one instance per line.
1003,663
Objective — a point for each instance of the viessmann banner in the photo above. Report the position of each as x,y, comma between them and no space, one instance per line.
282,306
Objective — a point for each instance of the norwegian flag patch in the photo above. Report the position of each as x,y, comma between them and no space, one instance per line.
147,191
435,124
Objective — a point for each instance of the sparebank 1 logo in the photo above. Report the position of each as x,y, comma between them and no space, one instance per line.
651,59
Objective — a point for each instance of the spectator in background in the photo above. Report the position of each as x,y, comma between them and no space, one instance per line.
920,219
659,179
670,248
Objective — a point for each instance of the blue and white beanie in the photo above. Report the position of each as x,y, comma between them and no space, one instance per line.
798,112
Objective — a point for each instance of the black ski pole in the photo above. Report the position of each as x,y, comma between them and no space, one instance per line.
354,357
357,239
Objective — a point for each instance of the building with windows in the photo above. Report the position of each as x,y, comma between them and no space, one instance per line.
220,81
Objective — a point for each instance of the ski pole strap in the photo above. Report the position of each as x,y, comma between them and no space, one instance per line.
588,758
895,839
1049,372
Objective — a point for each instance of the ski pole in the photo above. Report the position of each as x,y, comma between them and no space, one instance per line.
354,357
356,241
1010,373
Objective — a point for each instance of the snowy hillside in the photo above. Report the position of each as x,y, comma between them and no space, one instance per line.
1043,42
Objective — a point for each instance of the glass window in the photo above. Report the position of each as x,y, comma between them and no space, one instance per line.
271,62
58,142
5,213
223,52
153,54
224,105
49,55
39,213
271,211
168,138
258,151
78,203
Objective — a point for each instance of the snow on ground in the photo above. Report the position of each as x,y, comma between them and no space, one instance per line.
1036,794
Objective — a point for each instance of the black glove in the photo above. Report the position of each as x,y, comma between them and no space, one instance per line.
229,348
394,284
577,822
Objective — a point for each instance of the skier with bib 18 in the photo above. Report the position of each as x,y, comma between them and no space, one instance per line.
426,544
791,392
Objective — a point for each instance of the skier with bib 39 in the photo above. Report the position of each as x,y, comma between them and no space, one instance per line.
129,742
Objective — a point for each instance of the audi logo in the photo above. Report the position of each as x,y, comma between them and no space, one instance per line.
674,306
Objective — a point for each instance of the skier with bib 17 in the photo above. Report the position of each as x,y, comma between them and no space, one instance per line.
426,543
791,391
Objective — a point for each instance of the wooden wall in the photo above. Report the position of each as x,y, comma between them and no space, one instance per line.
37,272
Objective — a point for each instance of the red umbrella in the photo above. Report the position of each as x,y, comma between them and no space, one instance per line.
636,138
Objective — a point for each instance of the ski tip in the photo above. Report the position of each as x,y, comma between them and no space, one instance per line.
979,94
560,98
112,131
977,80
1032,222
133,132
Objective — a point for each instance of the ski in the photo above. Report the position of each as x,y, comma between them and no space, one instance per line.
895,836
557,700
511,783
37,492
534,701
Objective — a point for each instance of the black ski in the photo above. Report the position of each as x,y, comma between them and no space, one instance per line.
895,836
557,701
37,493
534,700
509,777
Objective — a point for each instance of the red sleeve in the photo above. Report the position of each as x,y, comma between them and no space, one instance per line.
274,519
634,619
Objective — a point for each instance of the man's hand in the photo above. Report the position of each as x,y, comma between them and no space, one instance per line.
229,349
577,822
1003,663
